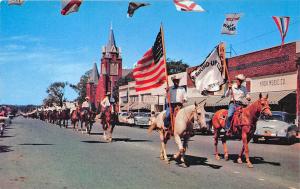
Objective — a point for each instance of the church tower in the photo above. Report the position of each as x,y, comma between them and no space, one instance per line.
92,84
111,67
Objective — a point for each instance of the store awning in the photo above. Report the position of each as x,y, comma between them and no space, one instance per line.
126,107
210,100
140,105
274,98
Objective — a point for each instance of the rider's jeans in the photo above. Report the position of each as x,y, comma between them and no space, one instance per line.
231,109
168,115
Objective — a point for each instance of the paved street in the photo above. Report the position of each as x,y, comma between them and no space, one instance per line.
35,154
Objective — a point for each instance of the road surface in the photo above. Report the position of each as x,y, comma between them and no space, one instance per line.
35,154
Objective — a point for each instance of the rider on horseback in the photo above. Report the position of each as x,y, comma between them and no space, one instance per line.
178,97
86,105
239,93
106,104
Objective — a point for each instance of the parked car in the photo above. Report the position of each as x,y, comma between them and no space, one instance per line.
280,125
142,119
209,130
126,118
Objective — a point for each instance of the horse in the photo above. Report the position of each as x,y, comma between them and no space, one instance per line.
64,116
183,128
109,120
243,123
75,115
87,118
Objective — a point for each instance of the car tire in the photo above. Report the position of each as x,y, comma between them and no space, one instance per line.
255,139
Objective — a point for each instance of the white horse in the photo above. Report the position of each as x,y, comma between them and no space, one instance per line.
183,128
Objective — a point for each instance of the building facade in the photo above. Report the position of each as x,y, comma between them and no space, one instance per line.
274,71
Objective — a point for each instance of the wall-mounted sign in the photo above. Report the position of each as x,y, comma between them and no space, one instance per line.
277,83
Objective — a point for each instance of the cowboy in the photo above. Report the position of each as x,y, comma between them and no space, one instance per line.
177,97
105,104
86,105
239,93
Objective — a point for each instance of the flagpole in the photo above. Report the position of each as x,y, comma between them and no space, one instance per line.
166,73
222,51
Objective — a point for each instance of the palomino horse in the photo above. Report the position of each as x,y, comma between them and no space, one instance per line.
75,118
183,127
109,120
243,122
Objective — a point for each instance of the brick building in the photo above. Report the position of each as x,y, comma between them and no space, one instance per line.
111,71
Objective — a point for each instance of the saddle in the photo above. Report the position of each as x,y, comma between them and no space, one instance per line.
237,120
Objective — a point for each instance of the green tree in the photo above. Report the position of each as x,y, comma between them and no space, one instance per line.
80,87
176,66
56,92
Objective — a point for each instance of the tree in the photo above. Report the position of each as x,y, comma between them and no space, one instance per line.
80,87
56,93
174,67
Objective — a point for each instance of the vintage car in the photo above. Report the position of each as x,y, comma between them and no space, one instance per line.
142,119
209,130
125,118
280,125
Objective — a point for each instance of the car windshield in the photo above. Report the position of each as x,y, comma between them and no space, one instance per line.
142,114
280,117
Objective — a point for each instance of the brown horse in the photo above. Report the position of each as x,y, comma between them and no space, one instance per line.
75,118
63,117
109,120
243,122
86,118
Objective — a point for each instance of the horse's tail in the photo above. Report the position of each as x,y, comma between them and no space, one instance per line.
153,125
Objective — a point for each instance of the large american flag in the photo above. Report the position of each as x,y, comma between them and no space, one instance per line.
150,71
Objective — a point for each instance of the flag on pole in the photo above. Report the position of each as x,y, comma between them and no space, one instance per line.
187,5
133,6
69,6
15,2
282,23
150,71
230,23
209,76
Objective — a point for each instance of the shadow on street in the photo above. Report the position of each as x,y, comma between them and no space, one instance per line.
254,160
129,140
5,149
93,142
35,144
195,160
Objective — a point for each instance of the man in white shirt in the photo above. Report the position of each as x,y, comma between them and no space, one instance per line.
239,93
86,105
177,97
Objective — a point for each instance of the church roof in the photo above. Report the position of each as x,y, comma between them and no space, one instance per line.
111,45
94,75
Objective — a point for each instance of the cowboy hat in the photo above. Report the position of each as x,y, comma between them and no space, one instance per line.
108,93
176,78
87,97
240,77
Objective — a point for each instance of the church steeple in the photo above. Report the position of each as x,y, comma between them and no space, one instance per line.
111,46
94,75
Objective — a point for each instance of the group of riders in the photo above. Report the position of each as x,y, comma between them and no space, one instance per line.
177,118
178,97
237,92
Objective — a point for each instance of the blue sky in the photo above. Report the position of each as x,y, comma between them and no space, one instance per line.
39,46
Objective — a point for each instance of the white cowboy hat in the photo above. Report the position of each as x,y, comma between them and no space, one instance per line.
240,77
87,97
